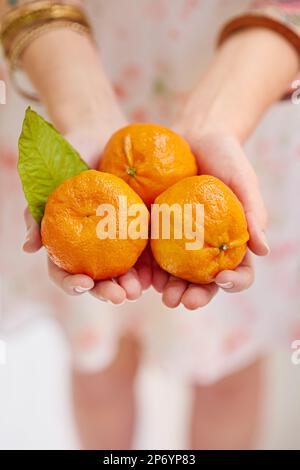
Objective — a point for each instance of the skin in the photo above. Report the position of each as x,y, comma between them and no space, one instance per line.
106,417
226,415
218,117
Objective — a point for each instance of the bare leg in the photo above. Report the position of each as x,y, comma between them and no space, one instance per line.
226,414
104,404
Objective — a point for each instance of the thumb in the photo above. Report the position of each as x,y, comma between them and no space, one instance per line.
258,243
33,239
245,184
256,214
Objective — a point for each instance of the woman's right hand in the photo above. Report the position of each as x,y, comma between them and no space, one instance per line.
89,142
81,102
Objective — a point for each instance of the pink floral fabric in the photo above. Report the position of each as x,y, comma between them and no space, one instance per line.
154,53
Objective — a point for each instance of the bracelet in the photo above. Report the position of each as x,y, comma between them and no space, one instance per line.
284,23
34,14
23,25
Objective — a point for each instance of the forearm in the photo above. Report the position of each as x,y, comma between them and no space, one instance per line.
67,73
65,69
250,71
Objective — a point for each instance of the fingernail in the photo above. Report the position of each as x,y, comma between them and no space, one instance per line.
81,290
265,242
226,285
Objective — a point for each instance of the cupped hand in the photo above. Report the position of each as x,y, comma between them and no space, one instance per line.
222,156
89,144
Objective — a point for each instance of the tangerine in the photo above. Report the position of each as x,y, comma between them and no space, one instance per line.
149,157
70,223
225,232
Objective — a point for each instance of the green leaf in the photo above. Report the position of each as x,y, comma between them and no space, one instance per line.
46,159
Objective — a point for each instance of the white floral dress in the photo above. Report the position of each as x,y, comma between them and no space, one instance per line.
154,51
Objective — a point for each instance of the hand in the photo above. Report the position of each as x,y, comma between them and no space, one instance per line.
222,156
88,141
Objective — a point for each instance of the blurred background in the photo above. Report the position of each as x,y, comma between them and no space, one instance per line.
35,407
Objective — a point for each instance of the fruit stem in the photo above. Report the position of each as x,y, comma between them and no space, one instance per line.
223,247
131,171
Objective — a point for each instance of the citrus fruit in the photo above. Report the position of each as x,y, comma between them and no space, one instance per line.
225,232
149,157
70,226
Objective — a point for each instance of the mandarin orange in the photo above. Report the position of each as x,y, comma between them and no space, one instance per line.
225,232
70,226
149,157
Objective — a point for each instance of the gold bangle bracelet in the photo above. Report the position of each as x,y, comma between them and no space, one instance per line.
36,13
23,42
25,23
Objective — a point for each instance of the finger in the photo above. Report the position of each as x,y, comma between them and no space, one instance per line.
173,291
32,239
159,277
109,290
245,184
131,284
76,284
197,296
239,279
144,269
258,242
145,275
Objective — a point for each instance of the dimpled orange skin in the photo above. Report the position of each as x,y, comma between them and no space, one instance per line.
225,231
150,158
69,227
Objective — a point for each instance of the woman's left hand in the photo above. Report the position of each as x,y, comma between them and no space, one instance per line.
222,156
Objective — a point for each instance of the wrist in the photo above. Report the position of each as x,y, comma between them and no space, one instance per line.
213,106
195,126
239,85
83,112
70,80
